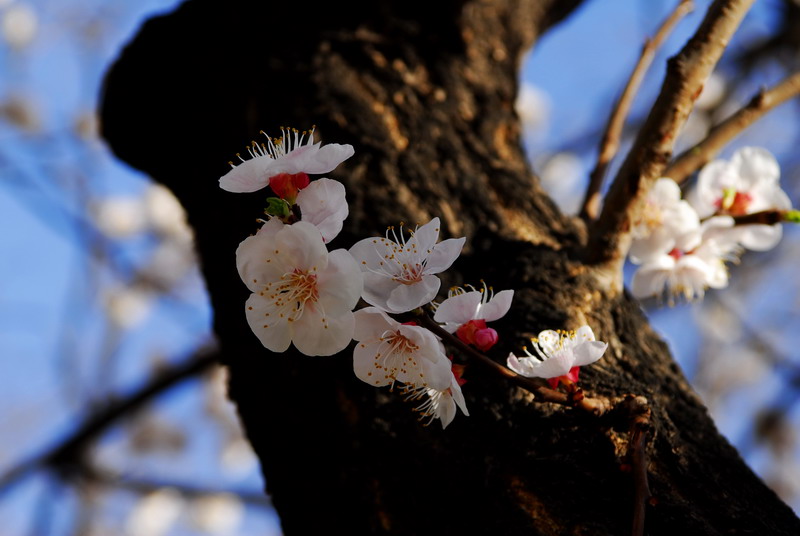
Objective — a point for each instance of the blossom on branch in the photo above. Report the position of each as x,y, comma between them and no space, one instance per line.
465,313
398,273
301,293
560,354
663,220
389,352
293,153
440,403
695,264
748,183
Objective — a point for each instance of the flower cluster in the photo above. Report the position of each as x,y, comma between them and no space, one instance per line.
305,295
683,245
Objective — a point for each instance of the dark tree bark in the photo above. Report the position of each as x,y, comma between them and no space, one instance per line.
424,91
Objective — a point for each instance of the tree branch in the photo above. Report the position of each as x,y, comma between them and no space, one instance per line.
576,399
637,455
764,101
69,450
610,239
609,143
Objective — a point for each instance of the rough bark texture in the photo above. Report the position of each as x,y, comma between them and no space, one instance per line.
424,92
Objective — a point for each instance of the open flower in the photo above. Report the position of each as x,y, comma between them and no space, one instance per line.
390,352
439,403
695,264
398,273
293,153
560,354
465,313
748,183
663,219
301,293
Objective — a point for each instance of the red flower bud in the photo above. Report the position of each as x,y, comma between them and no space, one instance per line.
286,186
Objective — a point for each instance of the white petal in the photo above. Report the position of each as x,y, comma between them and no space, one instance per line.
524,366
318,334
365,357
588,352
437,372
327,158
251,261
404,298
340,284
300,246
443,255
558,365
377,289
650,279
248,176
273,332
425,237
370,252
272,226
548,340
458,396
446,409
322,203
755,165
759,237
497,307
665,191
459,309
371,322
584,333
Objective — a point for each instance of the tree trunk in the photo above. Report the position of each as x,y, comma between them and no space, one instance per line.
424,91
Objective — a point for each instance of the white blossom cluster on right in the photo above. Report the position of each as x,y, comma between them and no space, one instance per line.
682,245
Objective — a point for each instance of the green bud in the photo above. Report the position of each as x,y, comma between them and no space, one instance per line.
792,216
277,207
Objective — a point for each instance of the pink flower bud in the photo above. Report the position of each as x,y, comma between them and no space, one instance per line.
485,339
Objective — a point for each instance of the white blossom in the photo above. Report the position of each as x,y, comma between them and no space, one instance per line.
301,293
389,352
440,403
398,273
462,306
748,183
294,152
688,270
664,219
557,353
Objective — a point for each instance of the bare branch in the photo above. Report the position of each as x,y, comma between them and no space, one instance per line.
764,101
609,143
637,455
610,239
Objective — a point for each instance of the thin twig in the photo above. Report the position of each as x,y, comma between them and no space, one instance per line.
70,449
598,406
765,217
702,153
609,143
187,489
610,238
640,424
